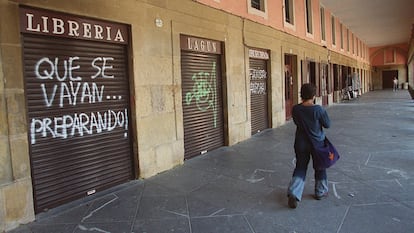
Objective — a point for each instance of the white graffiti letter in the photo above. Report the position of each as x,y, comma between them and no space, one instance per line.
60,127
64,88
48,101
86,93
71,68
74,92
97,67
65,67
76,125
119,116
47,73
94,123
126,119
103,123
34,130
46,127
96,92
85,122
110,126
104,67
67,123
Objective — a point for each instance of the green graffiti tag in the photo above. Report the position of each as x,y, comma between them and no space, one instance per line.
204,92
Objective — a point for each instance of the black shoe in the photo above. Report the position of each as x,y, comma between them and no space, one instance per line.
320,197
292,202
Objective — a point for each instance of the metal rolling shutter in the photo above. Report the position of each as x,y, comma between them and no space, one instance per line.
202,102
258,96
78,129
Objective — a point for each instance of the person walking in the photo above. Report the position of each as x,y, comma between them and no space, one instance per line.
315,118
395,82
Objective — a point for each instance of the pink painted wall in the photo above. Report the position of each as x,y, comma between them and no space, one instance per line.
236,6
239,7
275,19
380,56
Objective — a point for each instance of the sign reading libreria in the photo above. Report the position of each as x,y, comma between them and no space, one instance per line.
51,23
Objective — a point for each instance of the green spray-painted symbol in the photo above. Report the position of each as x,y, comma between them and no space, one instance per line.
204,92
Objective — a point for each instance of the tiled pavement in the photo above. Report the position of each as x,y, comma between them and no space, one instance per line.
242,188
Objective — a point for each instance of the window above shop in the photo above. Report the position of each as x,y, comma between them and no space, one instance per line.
347,40
289,12
341,33
258,4
309,22
257,7
333,30
323,29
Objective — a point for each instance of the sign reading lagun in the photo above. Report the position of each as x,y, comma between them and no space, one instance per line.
78,124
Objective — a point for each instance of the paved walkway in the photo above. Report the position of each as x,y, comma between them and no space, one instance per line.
242,188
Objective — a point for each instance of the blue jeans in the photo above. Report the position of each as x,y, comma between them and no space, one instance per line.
297,184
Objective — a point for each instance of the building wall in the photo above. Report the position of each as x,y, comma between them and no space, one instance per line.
155,75
15,183
410,65
410,60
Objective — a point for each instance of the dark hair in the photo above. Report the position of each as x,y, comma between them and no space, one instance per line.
308,91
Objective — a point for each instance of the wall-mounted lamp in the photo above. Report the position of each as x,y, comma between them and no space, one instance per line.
158,22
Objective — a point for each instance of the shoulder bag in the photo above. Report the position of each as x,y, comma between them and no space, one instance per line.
324,156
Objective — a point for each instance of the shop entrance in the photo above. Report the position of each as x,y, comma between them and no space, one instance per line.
290,83
77,94
202,95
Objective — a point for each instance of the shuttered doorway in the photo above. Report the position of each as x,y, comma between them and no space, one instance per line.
202,101
258,90
78,109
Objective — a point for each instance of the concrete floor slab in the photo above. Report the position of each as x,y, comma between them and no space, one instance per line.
242,188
